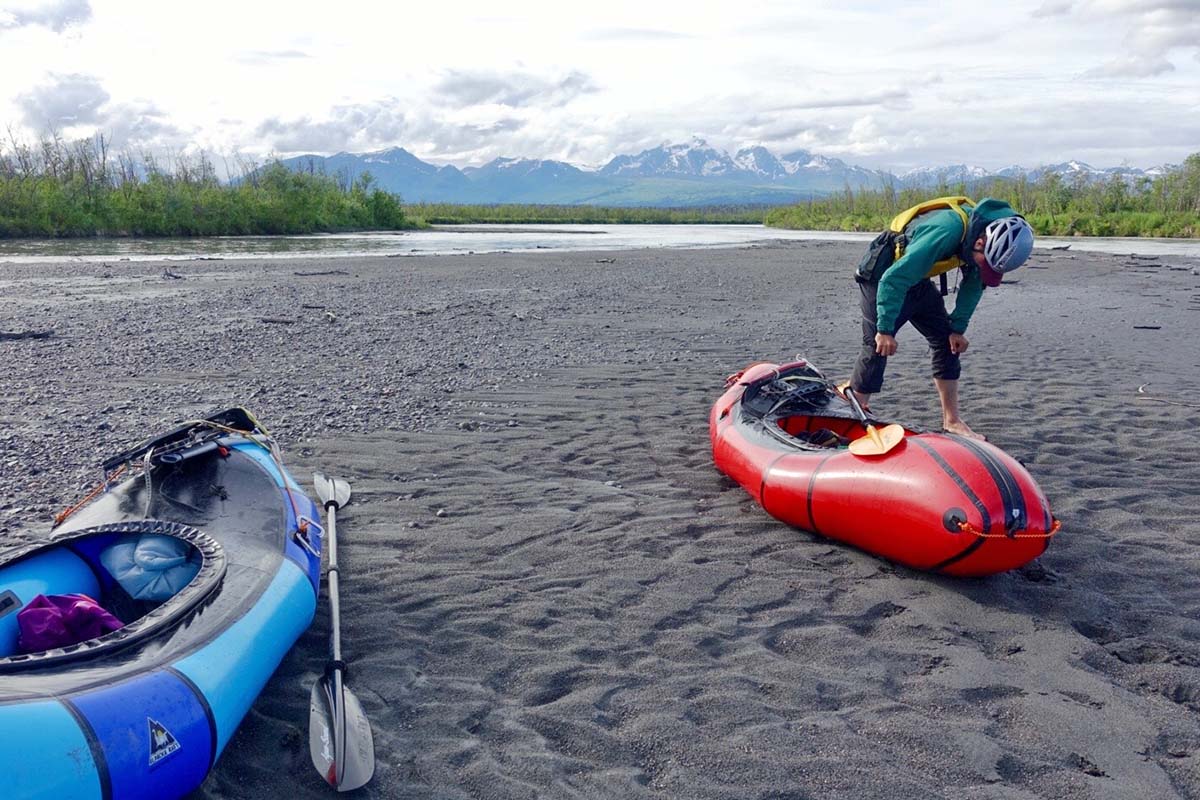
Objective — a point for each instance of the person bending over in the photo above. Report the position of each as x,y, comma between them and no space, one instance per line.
986,241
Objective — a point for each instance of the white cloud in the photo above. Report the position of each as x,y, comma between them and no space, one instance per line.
516,89
77,106
878,84
57,16
1131,66
1153,28
64,101
266,57
1052,8
885,97
630,34
345,128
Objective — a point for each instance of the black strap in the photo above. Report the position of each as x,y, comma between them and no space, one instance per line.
945,285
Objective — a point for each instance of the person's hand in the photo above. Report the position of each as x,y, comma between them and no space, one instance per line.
885,344
958,343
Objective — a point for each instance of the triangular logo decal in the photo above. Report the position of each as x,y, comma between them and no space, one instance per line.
162,742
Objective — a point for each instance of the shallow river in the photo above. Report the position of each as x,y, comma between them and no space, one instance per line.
485,239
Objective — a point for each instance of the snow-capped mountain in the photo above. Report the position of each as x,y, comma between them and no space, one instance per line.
395,157
815,172
394,169
693,160
801,170
933,176
524,167
528,180
805,170
1078,171
691,173
760,161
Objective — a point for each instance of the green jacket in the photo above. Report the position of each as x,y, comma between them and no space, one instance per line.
932,237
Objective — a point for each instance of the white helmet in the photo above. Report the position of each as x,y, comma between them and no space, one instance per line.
1007,243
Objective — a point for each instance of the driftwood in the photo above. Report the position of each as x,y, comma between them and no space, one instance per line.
6,336
329,272
1144,395
329,315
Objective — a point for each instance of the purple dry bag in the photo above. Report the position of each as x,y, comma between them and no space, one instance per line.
58,620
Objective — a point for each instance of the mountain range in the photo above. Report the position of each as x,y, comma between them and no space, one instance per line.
689,174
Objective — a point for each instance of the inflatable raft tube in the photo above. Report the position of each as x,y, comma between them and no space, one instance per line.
146,710
935,501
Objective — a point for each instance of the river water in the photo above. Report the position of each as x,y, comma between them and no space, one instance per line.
461,239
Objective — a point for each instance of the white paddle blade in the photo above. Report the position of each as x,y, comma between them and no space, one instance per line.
339,736
359,764
320,732
331,490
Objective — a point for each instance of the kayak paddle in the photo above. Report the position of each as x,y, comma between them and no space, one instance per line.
876,442
339,734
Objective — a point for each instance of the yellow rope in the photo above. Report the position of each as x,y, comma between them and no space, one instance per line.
967,527
98,489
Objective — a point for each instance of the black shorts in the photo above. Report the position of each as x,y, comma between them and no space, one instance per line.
924,308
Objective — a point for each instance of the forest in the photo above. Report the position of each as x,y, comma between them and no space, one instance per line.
56,189
1167,205
60,189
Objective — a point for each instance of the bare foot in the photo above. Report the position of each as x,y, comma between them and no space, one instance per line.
962,429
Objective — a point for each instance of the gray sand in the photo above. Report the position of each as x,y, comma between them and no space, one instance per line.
549,591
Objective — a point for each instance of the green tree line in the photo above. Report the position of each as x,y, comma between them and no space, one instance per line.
59,189
1167,205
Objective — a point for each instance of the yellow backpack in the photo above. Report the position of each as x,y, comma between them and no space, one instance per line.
887,248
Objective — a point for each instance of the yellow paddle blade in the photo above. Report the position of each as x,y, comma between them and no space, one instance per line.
877,442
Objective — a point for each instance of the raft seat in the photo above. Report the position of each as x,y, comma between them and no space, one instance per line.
56,571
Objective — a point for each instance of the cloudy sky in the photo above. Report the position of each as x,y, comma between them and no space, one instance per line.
881,84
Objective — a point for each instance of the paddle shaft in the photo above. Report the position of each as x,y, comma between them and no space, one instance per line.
340,740
335,638
337,696
848,393
862,416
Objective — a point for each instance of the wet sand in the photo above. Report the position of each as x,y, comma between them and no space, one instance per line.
549,592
